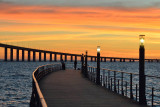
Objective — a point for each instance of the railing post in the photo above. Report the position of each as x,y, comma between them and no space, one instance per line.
115,81
152,97
131,91
82,66
126,88
108,79
118,86
111,84
122,84
136,91
104,78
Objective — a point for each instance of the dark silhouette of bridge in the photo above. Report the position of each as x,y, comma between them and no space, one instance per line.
73,57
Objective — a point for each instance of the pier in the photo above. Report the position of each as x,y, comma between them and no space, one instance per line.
53,86
68,88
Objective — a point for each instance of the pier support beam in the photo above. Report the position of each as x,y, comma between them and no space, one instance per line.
17,54
50,57
114,60
45,56
29,55
55,57
5,54
111,60
40,58
22,54
104,59
34,56
11,55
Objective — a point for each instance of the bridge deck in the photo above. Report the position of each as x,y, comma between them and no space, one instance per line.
69,89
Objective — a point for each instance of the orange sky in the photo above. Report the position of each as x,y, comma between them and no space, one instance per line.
76,29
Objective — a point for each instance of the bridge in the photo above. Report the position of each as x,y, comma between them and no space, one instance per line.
73,57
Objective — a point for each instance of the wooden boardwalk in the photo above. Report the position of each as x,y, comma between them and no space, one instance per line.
70,89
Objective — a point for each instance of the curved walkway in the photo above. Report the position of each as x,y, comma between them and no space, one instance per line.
69,89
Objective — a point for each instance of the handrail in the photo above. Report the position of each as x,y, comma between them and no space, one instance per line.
43,102
37,99
123,85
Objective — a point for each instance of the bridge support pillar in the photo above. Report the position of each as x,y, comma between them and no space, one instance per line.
71,58
95,59
55,57
111,60
50,57
114,60
65,58
91,59
29,55
5,53
17,54
120,60
45,56
22,54
124,60
101,59
104,59
75,58
11,55
34,56
40,54
61,57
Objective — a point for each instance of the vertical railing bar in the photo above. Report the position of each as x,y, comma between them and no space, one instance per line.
131,91
118,86
152,96
122,84
136,92
115,81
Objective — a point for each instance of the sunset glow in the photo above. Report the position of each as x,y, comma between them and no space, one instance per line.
75,29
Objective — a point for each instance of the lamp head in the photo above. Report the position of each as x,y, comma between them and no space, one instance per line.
98,49
142,39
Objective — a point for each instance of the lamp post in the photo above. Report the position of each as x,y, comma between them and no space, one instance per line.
98,66
86,71
82,67
142,79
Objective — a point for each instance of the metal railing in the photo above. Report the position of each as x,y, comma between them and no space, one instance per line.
37,99
126,84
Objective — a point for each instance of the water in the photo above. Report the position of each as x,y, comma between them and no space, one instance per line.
16,78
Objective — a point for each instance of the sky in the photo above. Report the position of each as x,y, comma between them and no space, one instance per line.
76,26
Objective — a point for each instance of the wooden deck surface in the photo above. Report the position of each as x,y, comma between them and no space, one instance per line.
70,89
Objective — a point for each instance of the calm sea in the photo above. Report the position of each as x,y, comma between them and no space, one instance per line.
16,78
